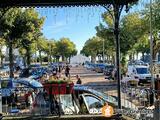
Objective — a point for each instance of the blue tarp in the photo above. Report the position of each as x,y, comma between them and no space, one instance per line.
29,82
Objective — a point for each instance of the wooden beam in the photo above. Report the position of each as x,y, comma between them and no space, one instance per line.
60,3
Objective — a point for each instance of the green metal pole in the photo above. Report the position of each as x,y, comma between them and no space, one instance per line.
116,32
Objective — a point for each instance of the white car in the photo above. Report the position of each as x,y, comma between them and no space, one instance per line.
139,72
74,64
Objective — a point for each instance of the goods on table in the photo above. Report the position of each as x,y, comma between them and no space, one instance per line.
55,87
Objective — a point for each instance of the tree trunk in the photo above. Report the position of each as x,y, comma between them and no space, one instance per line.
109,59
63,57
24,61
130,57
28,54
40,57
93,59
11,63
2,57
137,55
54,59
113,60
142,56
50,59
133,56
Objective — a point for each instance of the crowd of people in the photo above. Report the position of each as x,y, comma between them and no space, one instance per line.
59,72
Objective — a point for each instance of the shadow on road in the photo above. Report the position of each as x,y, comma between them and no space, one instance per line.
102,86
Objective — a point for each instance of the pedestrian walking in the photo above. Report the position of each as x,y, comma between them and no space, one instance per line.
157,86
67,71
79,81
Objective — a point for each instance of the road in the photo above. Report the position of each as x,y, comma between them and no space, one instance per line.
88,76
98,82
94,80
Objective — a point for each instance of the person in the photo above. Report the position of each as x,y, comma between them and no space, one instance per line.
157,85
60,68
114,74
29,98
151,96
79,81
67,71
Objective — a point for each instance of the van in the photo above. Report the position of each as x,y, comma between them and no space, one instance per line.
140,72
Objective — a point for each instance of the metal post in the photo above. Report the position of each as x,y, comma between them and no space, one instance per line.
116,32
156,103
151,48
0,96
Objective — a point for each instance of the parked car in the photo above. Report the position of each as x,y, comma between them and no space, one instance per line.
139,72
88,66
4,70
108,70
93,66
100,67
82,101
74,64
85,100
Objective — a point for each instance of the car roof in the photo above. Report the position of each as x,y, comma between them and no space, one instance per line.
138,66
110,99
88,89
141,66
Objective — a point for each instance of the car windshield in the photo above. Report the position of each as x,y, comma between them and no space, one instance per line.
142,70
109,67
104,96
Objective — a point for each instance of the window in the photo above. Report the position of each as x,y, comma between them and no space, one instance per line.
142,70
68,105
93,102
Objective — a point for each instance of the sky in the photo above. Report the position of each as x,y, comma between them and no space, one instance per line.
76,23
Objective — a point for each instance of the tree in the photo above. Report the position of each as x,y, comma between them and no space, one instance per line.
72,53
132,28
108,36
19,26
142,46
65,48
155,23
2,44
42,45
31,23
92,47
51,49
22,53
8,31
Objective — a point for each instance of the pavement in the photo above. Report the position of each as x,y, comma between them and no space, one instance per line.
65,117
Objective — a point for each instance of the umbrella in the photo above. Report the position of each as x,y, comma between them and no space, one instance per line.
29,82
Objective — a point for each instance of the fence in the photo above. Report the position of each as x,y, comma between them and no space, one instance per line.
85,99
